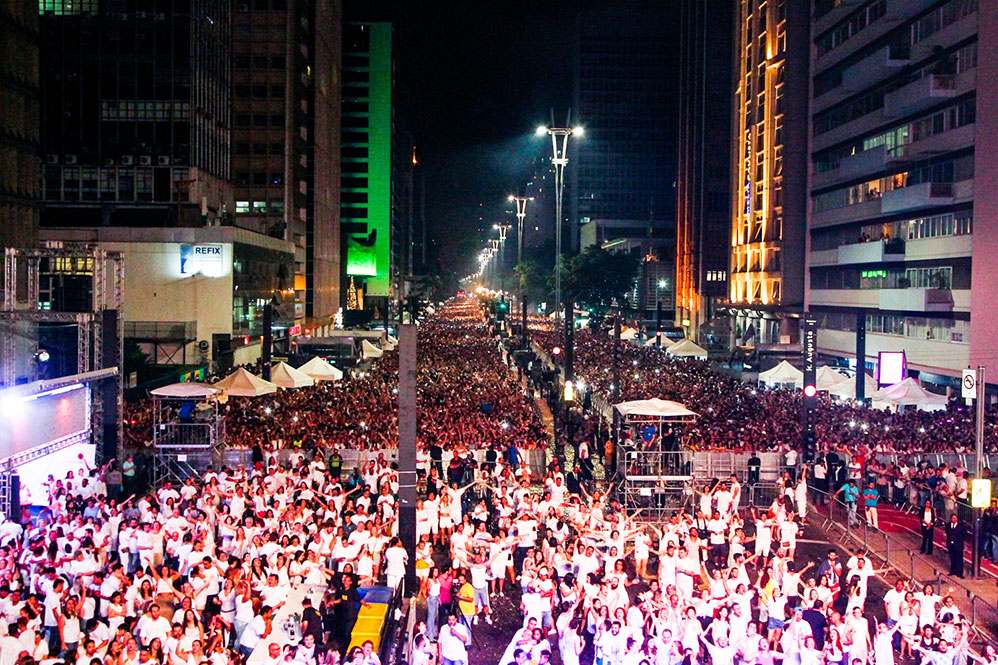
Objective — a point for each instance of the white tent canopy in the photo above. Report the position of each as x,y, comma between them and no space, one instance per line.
370,350
909,393
654,407
185,390
828,377
286,376
847,388
628,333
320,370
782,373
666,342
243,384
686,348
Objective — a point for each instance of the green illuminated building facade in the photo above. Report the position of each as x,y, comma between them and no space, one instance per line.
368,136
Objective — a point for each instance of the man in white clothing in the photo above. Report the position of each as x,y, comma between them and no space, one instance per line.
453,642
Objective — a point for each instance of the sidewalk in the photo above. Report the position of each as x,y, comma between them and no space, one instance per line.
976,597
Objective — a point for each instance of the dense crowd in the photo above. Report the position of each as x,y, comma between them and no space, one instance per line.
734,415
203,573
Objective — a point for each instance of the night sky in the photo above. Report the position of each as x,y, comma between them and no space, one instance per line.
477,78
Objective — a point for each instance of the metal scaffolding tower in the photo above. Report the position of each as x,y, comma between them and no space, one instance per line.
99,326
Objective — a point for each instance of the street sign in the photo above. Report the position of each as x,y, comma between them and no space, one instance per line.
980,493
969,384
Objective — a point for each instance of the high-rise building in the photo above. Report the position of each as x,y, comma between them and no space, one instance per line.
135,113
137,151
703,182
769,170
286,105
377,161
624,169
903,214
19,169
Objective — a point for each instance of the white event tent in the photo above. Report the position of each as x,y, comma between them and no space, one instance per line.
828,377
284,375
784,373
908,393
847,388
686,348
320,370
243,384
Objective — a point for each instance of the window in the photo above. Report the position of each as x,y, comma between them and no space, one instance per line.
259,206
276,178
260,120
277,206
259,179
242,148
242,207
259,148
278,62
242,178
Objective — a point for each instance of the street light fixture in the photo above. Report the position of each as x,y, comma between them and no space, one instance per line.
559,159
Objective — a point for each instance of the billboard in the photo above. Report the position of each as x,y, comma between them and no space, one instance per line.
891,368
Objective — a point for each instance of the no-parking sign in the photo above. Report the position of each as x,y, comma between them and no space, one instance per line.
968,384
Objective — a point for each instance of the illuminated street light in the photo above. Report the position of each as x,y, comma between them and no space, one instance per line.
559,159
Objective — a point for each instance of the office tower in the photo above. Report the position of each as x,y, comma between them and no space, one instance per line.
703,182
137,155
135,113
769,168
19,169
377,161
623,170
904,114
286,105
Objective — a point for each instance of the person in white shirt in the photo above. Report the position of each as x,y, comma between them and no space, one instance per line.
396,558
452,644
152,625
258,629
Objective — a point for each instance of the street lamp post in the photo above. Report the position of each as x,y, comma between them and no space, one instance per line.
521,215
559,159
503,229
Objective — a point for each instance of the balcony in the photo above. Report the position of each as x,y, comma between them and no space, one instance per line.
916,300
954,139
876,251
919,95
873,68
862,163
865,298
924,195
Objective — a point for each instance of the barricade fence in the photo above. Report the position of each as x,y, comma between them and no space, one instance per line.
833,516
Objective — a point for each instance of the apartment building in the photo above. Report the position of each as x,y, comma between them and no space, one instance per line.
900,212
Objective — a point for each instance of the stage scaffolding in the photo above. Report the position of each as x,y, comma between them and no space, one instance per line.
188,431
99,325
653,472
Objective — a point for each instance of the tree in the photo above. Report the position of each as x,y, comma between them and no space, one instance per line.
531,279
598,279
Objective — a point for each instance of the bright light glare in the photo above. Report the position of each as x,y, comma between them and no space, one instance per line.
541,130
661,283
10,406
510,198
578,130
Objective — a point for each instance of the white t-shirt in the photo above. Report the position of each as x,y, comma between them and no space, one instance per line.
451,646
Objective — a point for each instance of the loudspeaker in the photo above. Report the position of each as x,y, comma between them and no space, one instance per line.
111,348
15,498
222,355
